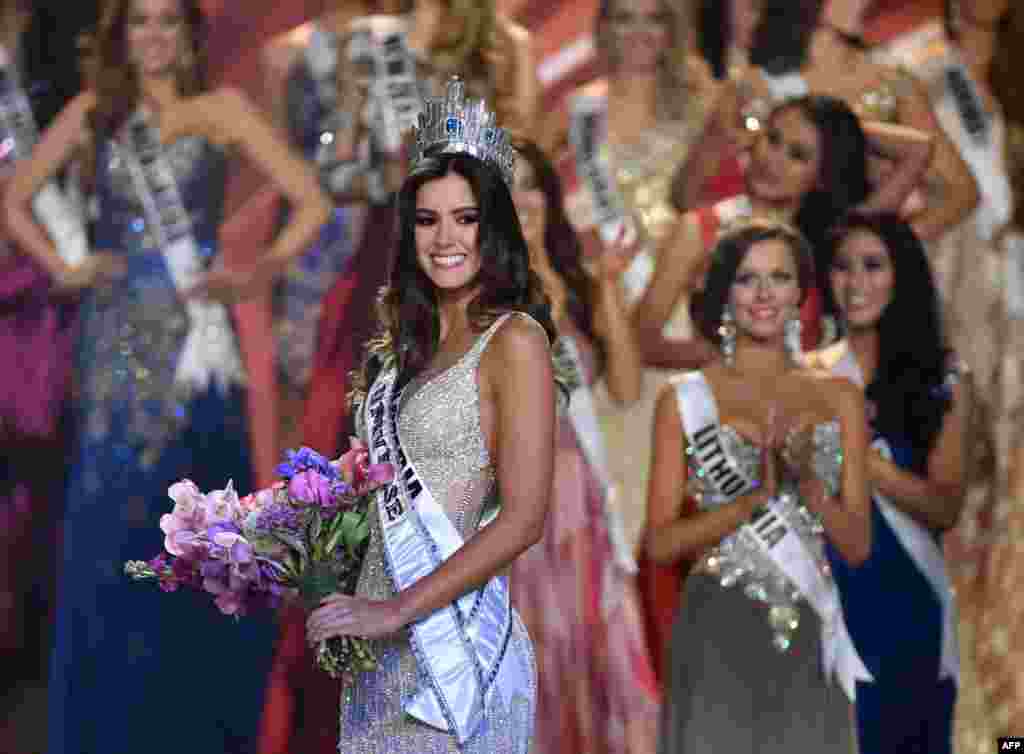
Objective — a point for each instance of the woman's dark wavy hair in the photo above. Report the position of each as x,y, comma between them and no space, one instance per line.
913,356
726,258
109,70
842,174
561,243
409,322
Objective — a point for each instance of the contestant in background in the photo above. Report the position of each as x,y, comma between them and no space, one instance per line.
629,131
759,465
160,378
576,588
991,38
899,604
977,266
312,90
35,337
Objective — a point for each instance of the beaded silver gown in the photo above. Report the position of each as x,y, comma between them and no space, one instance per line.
439,427
731,688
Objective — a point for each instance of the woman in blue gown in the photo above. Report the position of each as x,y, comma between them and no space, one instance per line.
160,381
899,604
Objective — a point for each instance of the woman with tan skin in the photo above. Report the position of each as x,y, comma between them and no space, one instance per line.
837,64
920,399
575,589
748,450
465,334
160,378
326,304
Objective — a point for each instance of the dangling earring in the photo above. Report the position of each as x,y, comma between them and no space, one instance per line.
727,332
792,337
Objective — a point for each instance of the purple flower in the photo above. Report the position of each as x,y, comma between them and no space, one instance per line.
280,516
311,487
305,459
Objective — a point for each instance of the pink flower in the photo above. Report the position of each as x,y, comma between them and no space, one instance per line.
222,505
357,470
310,487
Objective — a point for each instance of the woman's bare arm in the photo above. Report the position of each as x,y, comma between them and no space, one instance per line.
934,500
672,535
233,118
956,191
54,149
847,521
910,150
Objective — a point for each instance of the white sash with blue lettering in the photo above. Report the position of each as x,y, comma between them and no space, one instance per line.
461,647
769,531
210,352
918,543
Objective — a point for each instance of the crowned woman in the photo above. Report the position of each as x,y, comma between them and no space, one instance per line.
465,334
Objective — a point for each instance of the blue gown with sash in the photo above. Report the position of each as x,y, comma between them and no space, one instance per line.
133,669
896,620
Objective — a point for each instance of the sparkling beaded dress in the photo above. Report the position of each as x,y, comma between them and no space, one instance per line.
439,427
643,173
127,656
729,687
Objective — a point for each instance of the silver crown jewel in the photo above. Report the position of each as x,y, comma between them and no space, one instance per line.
454,125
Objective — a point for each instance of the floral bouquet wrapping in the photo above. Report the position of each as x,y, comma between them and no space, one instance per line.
306,535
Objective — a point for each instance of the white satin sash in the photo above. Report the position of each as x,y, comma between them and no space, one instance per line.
210,353
918,542
583,416
588,135
769,531
61,218
461,647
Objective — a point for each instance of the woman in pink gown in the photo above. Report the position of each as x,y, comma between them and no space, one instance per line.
575,589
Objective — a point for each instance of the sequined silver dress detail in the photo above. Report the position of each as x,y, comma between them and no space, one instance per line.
439,428
730,688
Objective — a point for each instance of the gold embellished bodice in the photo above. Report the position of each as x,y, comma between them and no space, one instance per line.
643,174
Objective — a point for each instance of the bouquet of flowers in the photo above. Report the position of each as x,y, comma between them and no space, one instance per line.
305,535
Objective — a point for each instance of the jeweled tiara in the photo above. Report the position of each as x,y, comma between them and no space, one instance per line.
454,125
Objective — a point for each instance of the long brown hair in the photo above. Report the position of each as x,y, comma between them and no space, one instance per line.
111,74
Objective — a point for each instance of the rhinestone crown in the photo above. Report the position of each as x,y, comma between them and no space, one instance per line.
454,125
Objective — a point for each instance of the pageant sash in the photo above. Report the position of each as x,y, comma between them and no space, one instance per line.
210,353
918,542
378,44
52,209
588,135
584,420
460,647
769,531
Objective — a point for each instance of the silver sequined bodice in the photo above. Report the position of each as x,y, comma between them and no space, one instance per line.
439,428
737,560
